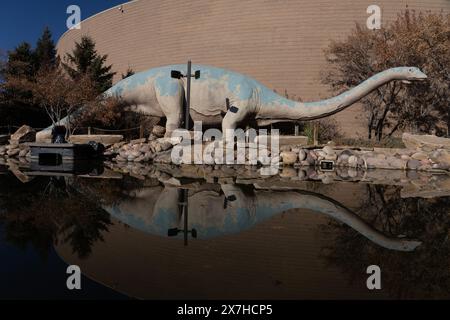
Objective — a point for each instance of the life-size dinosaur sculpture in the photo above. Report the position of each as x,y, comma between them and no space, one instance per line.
155,92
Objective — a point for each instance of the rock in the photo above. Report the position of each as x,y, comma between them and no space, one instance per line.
158,148
23,153
285,148
120,159
425,143
310,159
140,158
165,145
419,156
328,150
320,154
134,154
353,161
163,157
404,157
331,157
158,131
24,134
13,152
137,141
413,164
435,166
397,163
288,157
13,144
302,154
173,140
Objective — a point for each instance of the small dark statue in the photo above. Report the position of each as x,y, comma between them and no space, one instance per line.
59,134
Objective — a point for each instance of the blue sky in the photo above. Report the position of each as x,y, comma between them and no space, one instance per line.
24,20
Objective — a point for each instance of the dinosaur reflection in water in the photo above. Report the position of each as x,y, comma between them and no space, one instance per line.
217,210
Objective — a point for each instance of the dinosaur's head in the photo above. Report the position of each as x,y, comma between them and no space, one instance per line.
408,74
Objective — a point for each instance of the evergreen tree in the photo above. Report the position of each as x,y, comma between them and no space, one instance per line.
84,59
45,53
20,62
127,74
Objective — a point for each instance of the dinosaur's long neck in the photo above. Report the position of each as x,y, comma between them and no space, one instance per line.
284,109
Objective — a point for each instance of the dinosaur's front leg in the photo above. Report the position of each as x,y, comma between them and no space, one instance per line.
172,105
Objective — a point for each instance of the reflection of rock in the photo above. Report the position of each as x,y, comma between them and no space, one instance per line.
425,143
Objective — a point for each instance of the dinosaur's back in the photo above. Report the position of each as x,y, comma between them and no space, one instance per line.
208,94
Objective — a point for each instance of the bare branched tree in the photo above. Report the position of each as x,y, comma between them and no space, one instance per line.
421,40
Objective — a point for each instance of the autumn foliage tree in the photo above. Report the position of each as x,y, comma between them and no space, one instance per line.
59,95
413,39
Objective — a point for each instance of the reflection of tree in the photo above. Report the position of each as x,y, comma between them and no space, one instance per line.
45,211
423,273
110,191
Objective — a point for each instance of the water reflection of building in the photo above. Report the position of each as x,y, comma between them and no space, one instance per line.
280,43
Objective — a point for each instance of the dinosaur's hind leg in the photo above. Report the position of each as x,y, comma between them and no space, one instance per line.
232,119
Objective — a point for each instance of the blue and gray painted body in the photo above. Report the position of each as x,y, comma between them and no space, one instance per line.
154,92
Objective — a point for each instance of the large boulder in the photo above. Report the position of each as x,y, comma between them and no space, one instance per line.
24,134
159,131
426,143
289,157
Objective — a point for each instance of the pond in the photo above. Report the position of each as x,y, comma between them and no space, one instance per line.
169,233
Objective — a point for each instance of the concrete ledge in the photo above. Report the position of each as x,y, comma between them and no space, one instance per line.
284,140
103,139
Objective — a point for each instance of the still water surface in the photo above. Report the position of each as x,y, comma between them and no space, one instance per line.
160,238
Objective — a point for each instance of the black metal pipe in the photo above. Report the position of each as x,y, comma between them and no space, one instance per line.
188,95
186,213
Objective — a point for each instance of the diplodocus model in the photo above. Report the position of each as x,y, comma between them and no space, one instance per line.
154,92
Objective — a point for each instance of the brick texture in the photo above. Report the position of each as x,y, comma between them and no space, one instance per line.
278,42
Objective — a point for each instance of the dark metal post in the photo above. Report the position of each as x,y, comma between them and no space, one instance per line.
188,94
186,213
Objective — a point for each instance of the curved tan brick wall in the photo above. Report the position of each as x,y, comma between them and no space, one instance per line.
278,42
